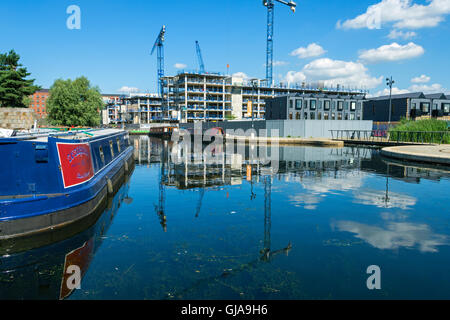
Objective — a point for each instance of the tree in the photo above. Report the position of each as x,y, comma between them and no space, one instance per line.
15,89
74,103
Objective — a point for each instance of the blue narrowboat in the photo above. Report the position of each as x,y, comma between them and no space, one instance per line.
50,181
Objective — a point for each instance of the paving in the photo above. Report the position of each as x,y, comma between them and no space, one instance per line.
439,154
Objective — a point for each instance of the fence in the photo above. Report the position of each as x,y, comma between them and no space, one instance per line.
421,137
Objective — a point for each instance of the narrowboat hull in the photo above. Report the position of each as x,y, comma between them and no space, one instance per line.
46,184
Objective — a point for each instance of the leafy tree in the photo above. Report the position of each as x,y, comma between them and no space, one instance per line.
15,89
74,103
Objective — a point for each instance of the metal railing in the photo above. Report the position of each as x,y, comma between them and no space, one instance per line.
417,137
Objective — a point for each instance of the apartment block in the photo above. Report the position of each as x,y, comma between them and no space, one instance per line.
192,97
39,102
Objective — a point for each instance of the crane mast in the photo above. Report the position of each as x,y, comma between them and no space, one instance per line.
159,45
270,4
200,59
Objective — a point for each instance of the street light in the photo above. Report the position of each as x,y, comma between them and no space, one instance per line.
389,83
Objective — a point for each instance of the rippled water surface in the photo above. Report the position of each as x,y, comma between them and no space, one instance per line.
194,231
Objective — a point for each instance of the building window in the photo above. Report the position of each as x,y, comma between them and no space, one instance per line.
353,106
352,116
358,117
312,104
291,104
305,115
290,116
413,106
326,105
339,117
333,116
297,116
425,106
340,105
326,116
312,115
319,116
446,107
298,104
346,116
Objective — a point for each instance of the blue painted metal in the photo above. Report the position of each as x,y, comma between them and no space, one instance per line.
200,58
269,51
159,44
31,180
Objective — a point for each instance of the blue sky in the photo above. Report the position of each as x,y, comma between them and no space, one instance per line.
113,46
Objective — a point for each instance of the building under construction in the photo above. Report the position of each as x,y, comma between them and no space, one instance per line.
195,96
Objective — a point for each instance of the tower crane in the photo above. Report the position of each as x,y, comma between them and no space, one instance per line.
266,253
160,207
270,4
200,59
159,45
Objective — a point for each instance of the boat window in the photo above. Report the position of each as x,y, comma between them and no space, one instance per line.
118,145
111,147
102,155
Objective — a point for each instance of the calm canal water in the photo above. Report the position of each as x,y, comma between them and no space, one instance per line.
178,231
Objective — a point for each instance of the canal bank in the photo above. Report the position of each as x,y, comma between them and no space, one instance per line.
436,154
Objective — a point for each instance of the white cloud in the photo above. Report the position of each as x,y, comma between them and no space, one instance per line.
398,34
334,72
385,92
295,77
396,235
312,50
180,66
392,52
403,14
433,88
241,75
422,79
126,89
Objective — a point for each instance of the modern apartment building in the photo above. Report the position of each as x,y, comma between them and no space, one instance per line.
111,112
414,105
191,96
315,106
141,108
39,102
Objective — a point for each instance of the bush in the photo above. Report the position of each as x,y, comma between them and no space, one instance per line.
410,131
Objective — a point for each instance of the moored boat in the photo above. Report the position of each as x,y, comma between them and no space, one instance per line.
49,181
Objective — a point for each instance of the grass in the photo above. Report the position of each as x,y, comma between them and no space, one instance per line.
412,127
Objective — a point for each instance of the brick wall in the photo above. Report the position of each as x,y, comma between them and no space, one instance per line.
17,118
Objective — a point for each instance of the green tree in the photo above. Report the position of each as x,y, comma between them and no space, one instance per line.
74,103
15,89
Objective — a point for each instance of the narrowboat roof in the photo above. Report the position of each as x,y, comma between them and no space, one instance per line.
42,136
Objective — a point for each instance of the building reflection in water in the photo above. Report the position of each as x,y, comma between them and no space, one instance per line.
35,267
320,171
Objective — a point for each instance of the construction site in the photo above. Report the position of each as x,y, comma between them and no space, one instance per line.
202,95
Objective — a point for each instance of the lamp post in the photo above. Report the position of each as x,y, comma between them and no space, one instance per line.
389,83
